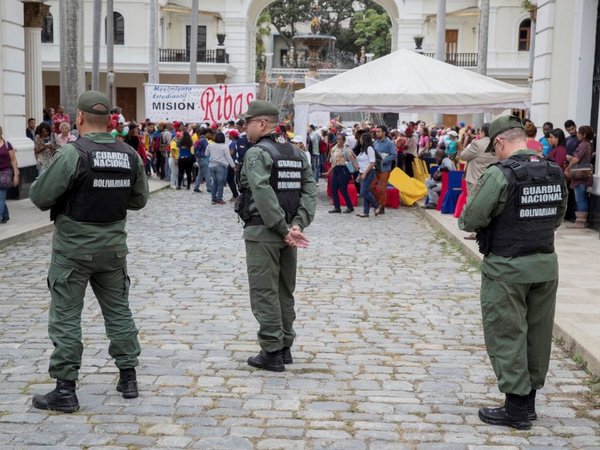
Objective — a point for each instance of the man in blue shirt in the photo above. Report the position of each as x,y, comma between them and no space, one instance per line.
572,141
387,151
548,127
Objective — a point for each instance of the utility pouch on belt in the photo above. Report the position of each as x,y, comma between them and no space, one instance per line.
242,205
484,240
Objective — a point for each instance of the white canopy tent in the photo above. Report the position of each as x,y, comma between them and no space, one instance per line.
405,81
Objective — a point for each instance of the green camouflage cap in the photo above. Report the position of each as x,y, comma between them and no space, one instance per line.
94,102
500,125
260,108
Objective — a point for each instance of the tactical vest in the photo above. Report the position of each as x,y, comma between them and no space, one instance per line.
526,224
286,180
100,193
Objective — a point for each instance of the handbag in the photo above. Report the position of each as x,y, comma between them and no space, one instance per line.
6,179
349,164
581,172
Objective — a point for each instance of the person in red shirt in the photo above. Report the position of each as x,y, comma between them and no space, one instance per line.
59,118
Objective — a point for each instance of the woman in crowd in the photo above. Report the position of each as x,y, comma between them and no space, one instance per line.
341,158
64,136
400,142
9,175
44,146
366,168
185,162
411,152
558,154
557,141
173,158
532,143
581,159
219,159
424,143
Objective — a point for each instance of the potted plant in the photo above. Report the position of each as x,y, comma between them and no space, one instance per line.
221,38
418,41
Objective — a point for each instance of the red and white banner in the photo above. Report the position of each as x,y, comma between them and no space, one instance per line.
197,103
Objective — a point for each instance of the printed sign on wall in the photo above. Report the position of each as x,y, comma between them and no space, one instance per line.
197,103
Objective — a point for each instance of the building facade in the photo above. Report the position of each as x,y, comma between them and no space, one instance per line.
566,76
562,38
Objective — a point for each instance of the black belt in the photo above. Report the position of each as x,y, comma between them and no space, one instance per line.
254,220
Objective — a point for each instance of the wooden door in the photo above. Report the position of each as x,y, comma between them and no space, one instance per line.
127,100
450,120
451,44
51,97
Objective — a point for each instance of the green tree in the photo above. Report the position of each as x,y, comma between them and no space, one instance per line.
336,16
262,30
373,31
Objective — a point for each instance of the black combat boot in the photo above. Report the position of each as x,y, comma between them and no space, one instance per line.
531,405
286,355
127,384
271,361
512,414
62,398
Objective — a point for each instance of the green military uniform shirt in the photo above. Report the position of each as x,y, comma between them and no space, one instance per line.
73,238
255,175
485,202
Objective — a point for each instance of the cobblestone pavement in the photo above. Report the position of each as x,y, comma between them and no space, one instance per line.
389,353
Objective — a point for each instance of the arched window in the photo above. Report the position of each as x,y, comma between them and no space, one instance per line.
48,29
524,35
118,29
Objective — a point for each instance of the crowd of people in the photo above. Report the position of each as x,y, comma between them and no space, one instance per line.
209,155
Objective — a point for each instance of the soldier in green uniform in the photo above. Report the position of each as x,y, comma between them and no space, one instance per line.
515,208
89,188
277,202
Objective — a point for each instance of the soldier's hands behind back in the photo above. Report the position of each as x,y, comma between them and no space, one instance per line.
295,238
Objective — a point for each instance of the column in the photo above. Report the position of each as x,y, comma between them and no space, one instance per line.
241,48
153,76
72,81
33,22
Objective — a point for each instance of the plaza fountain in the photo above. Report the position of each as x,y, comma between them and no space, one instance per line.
314,41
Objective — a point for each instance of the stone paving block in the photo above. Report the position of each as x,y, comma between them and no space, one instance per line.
173,441
280,444
129,440
347,444
222,443
168,429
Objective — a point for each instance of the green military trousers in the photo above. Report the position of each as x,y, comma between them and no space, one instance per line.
67,281
272,280
517,325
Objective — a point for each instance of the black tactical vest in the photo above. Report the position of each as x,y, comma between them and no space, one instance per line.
286,178
526,224
100,193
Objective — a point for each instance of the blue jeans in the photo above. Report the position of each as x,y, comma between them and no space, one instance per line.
219,176
581,197
3,207
366,192
339,183
203,174
167,168
315,162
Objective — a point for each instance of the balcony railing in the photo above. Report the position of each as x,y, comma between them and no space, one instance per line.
459,59
183,55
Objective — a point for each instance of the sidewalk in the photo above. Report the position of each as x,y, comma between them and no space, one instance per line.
26,220
577,319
